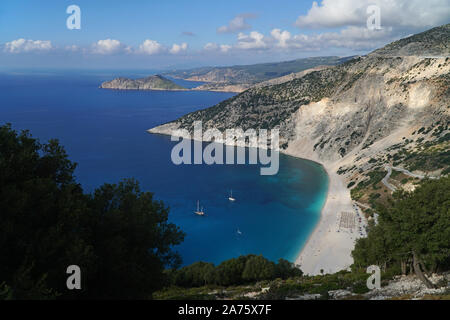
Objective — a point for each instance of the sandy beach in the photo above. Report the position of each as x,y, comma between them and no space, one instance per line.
329,249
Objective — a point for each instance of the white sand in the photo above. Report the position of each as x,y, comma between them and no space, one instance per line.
327,249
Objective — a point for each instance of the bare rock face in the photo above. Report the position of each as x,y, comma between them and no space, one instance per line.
410,286
342,116
150,83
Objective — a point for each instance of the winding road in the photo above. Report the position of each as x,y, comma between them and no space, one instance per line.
386,179
408,173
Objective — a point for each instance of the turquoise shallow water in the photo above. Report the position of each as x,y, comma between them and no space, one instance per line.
104,132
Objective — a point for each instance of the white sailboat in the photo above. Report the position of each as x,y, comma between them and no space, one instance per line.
231,196
199,212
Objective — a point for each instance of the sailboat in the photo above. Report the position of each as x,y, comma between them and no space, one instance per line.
199,212
231,196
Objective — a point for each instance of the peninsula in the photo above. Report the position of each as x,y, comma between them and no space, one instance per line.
156,82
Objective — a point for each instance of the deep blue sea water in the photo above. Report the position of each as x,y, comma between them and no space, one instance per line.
104,131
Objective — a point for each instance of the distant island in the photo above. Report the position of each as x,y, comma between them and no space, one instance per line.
156,82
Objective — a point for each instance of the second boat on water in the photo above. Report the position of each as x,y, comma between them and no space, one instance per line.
231,196
199,212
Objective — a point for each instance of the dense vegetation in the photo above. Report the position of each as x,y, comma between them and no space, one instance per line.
237,271
413,231
119,236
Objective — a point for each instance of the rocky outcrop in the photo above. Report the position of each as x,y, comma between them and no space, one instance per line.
399,288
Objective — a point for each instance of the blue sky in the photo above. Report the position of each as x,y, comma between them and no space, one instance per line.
137,20
176,33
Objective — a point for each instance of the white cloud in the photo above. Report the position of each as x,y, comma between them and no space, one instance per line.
107,46
211,46
150,47
225,48
353,38
356,38
24,45
254,40
399,13
177,48
282,37
239,23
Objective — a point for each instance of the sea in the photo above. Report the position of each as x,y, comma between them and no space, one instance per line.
104,132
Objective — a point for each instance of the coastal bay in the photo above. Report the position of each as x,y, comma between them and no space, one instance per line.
104,131
327,249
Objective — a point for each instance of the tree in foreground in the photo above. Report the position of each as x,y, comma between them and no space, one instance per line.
414,229
119,236
259,268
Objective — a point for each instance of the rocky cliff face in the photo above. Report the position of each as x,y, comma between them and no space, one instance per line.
150,83
344,116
